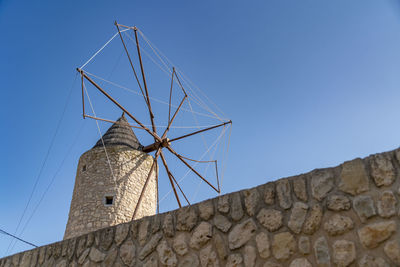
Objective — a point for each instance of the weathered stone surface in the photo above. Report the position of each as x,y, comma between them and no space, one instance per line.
127,252
373,234
241,233
344,252
270,219
236,207
62,263
220,246
338,224
297,217
223,204
165,254
208,257
313,221
155,224
121,233
200,236
133,229
251,200
300,189
96,255
179,244
143,231
272,263
353,178
234,260
304,245
222,223
186,218
283,246
152,262
387,204
269,193
364,207
382,170
262,242
190,260
150,246
392,250
322,182
110,257
250,256
83,256
321,252
168,225
130,167
371,261
338,203
300,262
26,259
206,209
284,193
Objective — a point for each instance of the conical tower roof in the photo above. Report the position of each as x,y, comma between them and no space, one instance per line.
120,133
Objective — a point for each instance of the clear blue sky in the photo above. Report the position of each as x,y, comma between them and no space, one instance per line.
308,84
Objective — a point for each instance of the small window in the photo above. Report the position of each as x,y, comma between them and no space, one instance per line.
84,168
109,200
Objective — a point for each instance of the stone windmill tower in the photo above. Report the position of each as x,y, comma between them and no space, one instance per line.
109,179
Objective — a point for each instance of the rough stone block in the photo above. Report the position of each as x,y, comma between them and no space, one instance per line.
372,235
364,207
297,217
344,252
270,219
382,170
284,193
322,182
353,178
283,246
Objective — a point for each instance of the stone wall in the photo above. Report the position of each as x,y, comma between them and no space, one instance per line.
94,181
342,216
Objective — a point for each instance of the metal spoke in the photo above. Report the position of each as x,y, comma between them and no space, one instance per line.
173,117
200,131
170,93
130,61
170,180
101,119
191,168
144,82
119,105
83,97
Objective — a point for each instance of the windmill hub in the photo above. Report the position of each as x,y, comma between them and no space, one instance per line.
153,147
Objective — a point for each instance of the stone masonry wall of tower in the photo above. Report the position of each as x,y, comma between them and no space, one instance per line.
94,182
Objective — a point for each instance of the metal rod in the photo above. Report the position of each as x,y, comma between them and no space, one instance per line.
83,98
200,131
144,82
180,189
191,168
101,119
179,81
130,61
170,94
146,183
170,180
119,105
128,27
158,203
173,117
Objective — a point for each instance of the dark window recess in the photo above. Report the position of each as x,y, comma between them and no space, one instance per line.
84,168
109,200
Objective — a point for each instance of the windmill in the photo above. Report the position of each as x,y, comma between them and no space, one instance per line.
162,143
